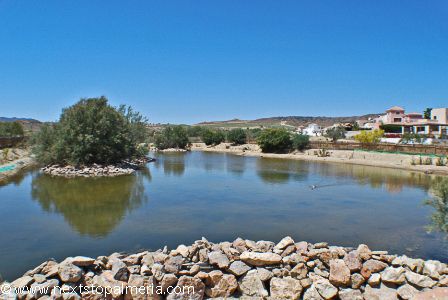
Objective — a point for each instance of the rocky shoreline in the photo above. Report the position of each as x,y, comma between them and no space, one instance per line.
97,170
242,269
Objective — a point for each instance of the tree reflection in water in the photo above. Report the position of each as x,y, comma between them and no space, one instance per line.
172,162
91,206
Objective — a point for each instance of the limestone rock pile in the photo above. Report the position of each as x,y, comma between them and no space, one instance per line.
121,168
243,269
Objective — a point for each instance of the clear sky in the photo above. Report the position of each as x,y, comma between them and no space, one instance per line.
191,61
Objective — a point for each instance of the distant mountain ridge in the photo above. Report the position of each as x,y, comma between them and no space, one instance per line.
6,119
299,120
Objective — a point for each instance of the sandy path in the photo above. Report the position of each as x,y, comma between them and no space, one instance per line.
395,161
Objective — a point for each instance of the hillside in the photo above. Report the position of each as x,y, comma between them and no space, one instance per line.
28,124
288,121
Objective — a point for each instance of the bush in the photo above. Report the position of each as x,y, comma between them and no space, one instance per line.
253,133
369,137
335,133
414,138
172,137
195,131
237,136
440,162
91,131
10,129
390,128
439,203
300,141
211,137
274,140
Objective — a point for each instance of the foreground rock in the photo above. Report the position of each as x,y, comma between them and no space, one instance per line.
97,170
242,269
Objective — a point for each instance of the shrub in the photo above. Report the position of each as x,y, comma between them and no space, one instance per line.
335,133
274,140
253,133
413,163
300,141
172,137
237,136
439,203
413,138
369,137
195,131
389,128
10,129
211,137
91,131
440,161
323,152
428,161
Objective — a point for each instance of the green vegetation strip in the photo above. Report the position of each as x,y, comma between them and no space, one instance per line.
403,153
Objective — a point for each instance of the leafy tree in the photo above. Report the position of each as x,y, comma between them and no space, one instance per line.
439,203
237,136
274,140
195,131
335,133
253,133
427,113
91,131
300,141
9,129
172,137
211,137
413,138
369,137
355,126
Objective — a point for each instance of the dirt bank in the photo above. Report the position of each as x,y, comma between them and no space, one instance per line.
395,161
13,160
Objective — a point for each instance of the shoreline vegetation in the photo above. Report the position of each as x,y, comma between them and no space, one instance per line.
242,269
365,158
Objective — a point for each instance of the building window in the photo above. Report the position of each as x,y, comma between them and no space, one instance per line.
397,119
435,117
397,112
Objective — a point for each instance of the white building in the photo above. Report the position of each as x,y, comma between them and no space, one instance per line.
313,130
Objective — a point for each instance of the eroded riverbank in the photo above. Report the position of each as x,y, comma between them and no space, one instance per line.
240,269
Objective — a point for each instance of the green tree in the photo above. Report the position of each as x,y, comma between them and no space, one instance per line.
335,133
194,131
91,131
211,137
237,136
274,140
414,138
439,204
300,141
9,129
427,113
172,137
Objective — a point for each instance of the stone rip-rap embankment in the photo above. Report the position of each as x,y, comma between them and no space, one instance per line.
243,269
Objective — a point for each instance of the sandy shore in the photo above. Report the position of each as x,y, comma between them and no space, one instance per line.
395,161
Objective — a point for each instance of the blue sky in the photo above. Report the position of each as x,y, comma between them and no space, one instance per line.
191,61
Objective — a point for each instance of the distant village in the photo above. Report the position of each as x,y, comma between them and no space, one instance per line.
434,124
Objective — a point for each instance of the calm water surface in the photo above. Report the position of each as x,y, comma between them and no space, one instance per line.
182,197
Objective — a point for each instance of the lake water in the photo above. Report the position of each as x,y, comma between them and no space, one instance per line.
182,197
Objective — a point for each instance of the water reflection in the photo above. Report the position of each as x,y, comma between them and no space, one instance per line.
93,207
172,162
235,164
281,171
17,178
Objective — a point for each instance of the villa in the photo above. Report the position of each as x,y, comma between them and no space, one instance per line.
413,122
